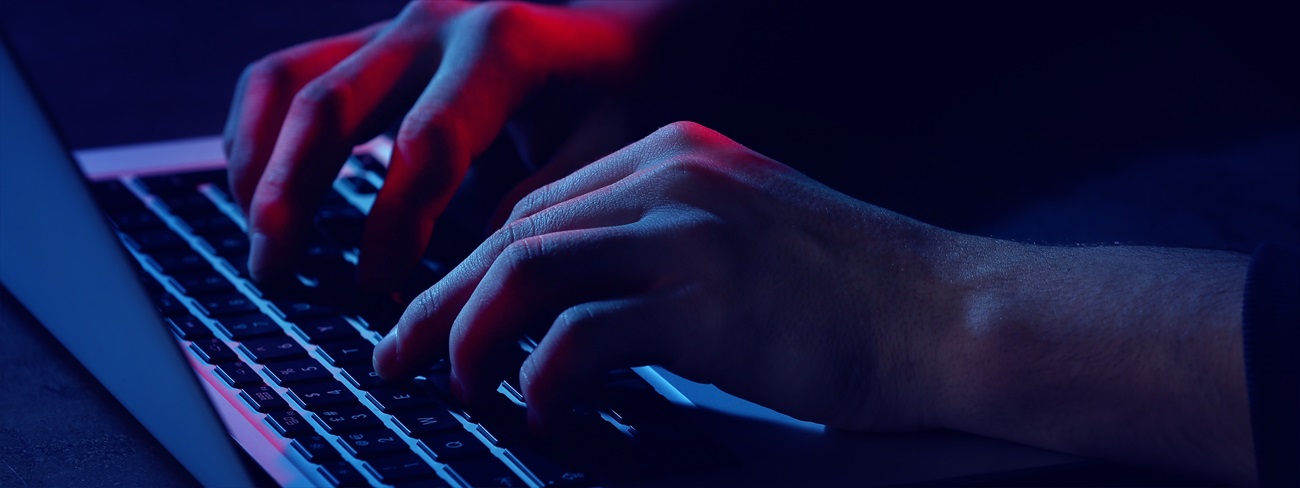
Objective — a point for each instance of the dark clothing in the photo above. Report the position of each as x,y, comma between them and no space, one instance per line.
1271,336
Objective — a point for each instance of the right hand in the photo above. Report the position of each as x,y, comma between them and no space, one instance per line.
454,73
690,251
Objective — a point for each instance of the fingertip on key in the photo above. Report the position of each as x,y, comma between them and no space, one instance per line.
387,359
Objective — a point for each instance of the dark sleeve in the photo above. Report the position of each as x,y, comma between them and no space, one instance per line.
1271,336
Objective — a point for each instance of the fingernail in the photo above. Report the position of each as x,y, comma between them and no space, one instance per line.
387,359
259,256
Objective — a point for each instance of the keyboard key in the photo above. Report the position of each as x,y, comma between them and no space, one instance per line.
361,185
321,395
331,329
503,420
263,398
425,423
355,351
175,184
226,305
341,473
554,475
455,444
213,351
188,327
486,471
297,372
226,244
211,224
187,205
179,262
397,397
136,219
238,375
167,304
371,164
268,349
372,443
348,418
316,448
203,283
152,241
400,467
362,376
289,423
239,264
246,327
295,310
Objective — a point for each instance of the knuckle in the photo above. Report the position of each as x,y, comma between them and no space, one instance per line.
423,129
499,17
576,325
270,69
531,203
683,131
321,98
524,257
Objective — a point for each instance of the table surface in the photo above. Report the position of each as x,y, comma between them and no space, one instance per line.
114,74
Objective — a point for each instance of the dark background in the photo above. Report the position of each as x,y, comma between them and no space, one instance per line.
1149,124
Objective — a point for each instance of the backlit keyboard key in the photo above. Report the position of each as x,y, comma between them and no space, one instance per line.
396,397
245,327
188,327
317,449
486,471
403,467
348,418
289,423
427,422
372,443
268,349
297,372
343,353
226,305
332,329
238,375
263,398
204,283
455,444
321,395
212,350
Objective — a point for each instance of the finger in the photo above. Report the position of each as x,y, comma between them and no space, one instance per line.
420,337
348,104
662,145
454,120
533,281
589,339
262,98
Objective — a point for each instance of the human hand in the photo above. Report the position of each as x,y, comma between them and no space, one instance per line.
454,73
693,252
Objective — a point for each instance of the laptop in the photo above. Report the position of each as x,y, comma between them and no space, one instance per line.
147,240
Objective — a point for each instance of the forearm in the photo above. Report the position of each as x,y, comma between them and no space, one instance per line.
1126,353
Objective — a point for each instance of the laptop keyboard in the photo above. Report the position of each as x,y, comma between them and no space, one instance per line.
298,354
